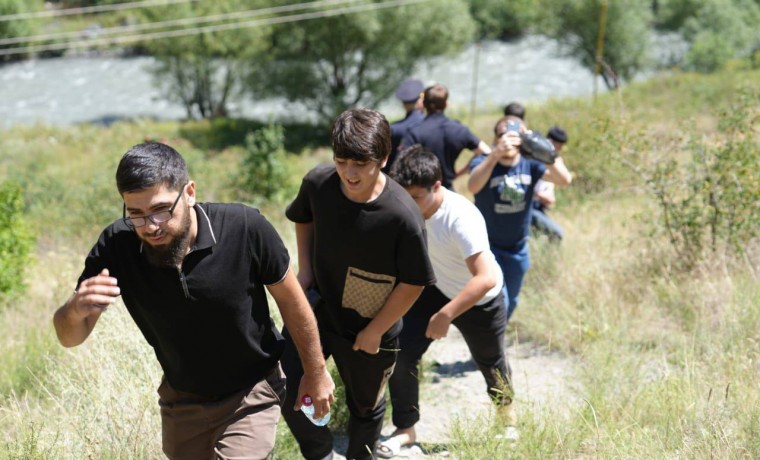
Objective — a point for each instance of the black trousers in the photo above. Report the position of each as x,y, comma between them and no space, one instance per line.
364,378
482,327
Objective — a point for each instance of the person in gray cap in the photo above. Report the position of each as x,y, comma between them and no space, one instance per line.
409,92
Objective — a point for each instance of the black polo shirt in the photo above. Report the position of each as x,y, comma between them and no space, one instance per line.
209,322
445,138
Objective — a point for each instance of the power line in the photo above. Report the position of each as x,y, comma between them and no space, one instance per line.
90,9
207,29
174,22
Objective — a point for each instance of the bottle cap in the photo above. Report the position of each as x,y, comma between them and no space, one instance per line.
306,400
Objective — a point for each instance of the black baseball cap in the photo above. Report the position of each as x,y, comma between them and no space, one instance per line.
409,90
557,134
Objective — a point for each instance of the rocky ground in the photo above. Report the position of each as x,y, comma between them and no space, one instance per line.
454,388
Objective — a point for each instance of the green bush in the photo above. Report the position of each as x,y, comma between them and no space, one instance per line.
17,27
16,239
264,175
712,202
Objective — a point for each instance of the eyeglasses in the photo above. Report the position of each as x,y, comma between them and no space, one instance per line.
157,218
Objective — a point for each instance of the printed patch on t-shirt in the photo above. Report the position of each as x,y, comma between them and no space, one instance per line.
366,292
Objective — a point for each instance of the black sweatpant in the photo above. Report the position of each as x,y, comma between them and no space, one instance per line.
364,377
482,327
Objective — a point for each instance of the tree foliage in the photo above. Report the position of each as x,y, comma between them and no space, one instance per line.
17,27
505,18
626,40
16,239
718,30
332,63
204,72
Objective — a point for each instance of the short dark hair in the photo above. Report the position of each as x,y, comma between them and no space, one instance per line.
150,164
516,109
361,135
557,134
500,128
416,166
435,97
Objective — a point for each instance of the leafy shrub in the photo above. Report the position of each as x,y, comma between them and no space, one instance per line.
264,175
17,27
15,238
712,202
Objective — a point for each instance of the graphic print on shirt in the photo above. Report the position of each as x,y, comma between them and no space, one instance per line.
366,292
511,192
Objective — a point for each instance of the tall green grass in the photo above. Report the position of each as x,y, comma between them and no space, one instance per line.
668,361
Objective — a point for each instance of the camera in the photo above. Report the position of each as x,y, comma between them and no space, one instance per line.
513,125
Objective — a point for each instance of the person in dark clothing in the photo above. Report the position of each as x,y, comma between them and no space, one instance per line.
503,185
544,194
515,109
410,94
444,137
194,277
362,249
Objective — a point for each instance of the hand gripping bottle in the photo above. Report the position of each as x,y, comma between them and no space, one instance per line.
308,409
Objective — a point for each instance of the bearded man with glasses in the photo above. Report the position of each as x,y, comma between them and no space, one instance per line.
194,277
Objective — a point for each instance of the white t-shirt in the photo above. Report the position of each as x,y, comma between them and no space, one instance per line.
455,232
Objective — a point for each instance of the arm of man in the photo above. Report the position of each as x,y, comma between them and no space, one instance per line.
305,243
480,175
76,319
557,173
482,148
299,319
481,282
398,303
546,196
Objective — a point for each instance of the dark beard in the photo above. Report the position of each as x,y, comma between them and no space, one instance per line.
173,254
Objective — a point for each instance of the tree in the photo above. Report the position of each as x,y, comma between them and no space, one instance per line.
332,63
718,30
626,39
504,18
17,27
204,71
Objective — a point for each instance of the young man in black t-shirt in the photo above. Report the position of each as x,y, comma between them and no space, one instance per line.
362,247
194,277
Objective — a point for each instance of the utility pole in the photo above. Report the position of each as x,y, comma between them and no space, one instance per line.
600,43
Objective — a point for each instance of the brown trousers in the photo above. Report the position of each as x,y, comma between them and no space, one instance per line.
240,426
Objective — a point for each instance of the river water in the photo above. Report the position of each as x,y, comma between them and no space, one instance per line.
63,91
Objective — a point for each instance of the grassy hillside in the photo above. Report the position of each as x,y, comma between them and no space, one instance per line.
670,348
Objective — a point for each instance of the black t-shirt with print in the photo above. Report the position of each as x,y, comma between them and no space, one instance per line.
361,250
209,324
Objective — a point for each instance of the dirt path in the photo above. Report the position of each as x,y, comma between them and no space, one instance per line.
542,379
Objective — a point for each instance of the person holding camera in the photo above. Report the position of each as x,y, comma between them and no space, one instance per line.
503,184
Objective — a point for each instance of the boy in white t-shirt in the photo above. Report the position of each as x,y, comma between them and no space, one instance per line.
467,294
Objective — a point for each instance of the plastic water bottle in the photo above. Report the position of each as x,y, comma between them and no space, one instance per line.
308,409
